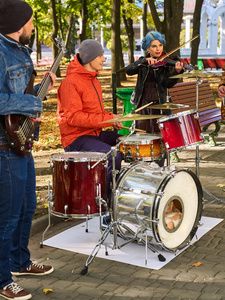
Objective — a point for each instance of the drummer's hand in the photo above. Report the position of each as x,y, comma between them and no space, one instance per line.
179,66
221,91
117,125
151,60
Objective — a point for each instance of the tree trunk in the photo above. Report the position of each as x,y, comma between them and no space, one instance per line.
84,17
122,74
54,32
196,29
70,41
128,22
115,36
144,19
171,25
31,42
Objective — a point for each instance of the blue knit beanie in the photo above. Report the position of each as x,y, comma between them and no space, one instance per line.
150,37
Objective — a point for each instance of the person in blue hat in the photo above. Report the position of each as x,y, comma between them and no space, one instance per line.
153,79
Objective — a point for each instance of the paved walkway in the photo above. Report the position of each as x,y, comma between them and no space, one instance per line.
112,280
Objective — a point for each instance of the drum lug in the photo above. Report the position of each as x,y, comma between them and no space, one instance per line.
52,164
65,209
160,194
161,126
180,120
196,116
89,166
126,188
65,167
139,170
167,145
146,192
105,164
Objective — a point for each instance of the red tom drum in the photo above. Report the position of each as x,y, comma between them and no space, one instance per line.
180,131
77,186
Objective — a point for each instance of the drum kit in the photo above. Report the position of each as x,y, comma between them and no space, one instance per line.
159,207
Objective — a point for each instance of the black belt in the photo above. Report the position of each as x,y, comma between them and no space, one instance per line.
5,147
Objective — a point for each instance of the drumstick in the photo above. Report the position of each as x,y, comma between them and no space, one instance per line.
135,129
136,110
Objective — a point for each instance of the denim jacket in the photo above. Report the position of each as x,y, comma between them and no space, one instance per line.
16,68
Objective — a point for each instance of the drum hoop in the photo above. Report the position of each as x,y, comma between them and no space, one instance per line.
139,142
157,199
174,116
98,156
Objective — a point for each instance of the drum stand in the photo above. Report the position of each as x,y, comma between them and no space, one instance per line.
197,157
113,226
99,200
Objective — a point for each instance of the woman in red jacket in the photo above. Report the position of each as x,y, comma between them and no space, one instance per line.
81,109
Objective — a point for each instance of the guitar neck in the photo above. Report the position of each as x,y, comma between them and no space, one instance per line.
47,80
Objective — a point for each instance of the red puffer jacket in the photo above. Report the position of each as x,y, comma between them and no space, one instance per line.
80,104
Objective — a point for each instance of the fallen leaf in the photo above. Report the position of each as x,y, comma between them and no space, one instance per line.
197,264
47,291
221,185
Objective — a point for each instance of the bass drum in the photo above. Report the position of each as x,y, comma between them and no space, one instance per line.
166,201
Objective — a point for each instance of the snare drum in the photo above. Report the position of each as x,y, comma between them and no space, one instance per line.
76,185
145,147
180,131
164,201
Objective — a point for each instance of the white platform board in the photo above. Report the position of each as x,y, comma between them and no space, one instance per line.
77,240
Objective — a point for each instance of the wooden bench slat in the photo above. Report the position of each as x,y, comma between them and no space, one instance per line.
185,93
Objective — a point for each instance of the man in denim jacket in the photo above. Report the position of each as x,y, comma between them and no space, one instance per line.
17,173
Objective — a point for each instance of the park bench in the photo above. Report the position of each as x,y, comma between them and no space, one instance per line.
209,113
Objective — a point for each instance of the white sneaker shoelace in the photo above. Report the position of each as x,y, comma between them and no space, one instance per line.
35,265
14,287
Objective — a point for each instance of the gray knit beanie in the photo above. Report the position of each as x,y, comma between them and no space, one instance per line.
89,50
14,14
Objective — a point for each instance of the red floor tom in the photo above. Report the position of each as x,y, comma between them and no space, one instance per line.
76,185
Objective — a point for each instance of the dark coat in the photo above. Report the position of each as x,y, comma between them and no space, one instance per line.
162,75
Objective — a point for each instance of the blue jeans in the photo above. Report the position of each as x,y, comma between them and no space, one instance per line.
17,206
102,143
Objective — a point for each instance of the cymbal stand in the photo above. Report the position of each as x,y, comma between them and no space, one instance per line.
113,226
198,158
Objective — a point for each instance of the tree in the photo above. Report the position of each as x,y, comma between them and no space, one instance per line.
116,43
128,22
54,31
171,25
84,17
144,18
196,29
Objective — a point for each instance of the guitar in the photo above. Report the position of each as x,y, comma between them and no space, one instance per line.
19,127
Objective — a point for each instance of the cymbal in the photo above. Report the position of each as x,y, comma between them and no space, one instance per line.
168,105
133,117
195,73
